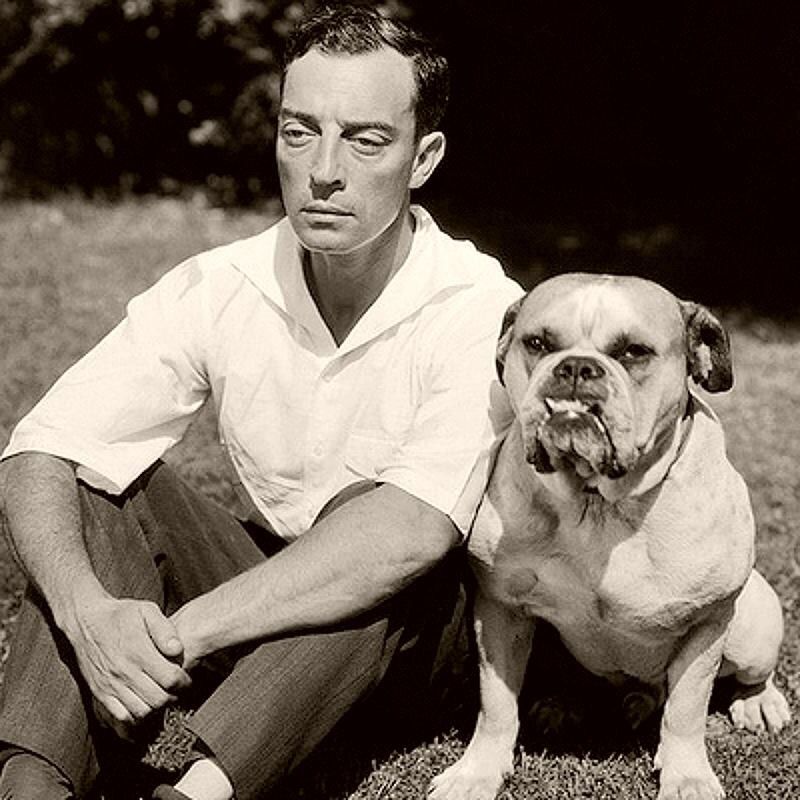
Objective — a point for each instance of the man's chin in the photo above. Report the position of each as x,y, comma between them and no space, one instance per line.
339,237
325,238
326,242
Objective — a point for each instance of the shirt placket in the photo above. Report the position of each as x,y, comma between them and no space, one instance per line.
324,428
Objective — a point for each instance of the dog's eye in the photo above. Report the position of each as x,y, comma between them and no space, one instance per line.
535,344
635,352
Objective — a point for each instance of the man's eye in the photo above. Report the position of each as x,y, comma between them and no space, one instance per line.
295,136
367,145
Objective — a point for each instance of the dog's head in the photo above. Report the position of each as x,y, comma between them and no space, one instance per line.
596,369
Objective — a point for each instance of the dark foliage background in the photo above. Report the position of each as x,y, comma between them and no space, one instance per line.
661,138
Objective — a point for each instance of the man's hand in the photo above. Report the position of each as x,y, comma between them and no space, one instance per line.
129,654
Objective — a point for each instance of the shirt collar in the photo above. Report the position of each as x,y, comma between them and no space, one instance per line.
429,270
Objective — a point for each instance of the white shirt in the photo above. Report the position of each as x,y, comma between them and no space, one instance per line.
409,398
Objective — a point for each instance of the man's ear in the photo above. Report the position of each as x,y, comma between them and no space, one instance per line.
506,334
430,151
708,349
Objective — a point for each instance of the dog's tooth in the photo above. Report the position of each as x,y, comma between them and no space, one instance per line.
564,406
598,424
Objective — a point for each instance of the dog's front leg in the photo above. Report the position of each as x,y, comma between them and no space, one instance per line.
504,644
682,756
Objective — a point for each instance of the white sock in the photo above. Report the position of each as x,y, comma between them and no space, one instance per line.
205,780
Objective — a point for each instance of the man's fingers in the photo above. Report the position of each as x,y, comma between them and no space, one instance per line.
121,652
162,632
170,677
143,696
122,729
112,711
134,702
166,670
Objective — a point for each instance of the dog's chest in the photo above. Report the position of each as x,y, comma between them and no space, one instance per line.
597,584
579,576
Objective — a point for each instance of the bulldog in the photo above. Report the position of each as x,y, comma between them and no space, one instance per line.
613,513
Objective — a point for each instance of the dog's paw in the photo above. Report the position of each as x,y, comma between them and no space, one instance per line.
639,705
760,708
691,787
555,717
469,779
686,773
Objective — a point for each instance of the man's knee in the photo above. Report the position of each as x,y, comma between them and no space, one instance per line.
5,467
25,776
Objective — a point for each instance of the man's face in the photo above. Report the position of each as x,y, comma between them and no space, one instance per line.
346,148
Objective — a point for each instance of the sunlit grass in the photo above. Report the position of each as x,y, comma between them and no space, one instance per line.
68,267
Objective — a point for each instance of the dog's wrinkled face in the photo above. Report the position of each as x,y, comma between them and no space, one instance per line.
596,368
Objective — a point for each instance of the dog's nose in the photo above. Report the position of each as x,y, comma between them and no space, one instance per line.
578,369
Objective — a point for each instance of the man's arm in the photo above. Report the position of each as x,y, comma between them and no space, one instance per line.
124,647
359,555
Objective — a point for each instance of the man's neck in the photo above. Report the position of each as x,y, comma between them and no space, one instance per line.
345,286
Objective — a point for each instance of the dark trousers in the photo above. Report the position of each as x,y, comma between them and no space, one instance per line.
275,700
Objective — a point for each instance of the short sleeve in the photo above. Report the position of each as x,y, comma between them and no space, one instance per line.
445,459
129,399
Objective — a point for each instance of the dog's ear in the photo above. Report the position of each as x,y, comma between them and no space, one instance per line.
708,349
506,333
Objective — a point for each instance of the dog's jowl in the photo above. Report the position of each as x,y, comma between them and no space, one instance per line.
613,513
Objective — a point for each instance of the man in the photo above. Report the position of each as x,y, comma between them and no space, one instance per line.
349,353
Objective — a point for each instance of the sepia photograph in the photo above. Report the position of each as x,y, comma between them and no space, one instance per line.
399,400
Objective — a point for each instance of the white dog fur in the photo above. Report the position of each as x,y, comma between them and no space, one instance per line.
613,513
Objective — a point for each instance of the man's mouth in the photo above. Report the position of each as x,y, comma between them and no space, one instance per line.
325,210
573,435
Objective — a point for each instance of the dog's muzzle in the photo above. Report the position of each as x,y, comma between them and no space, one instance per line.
578,378
570,431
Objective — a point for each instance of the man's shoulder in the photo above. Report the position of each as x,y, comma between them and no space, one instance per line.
466,263
244,251
214,275
222,270
475,291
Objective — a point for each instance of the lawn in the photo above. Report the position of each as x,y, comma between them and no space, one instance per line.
67,269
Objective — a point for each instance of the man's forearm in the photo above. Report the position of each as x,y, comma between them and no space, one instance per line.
44,521
126,649
363,553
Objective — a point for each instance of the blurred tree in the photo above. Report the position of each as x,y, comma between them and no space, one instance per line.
661,138
143,95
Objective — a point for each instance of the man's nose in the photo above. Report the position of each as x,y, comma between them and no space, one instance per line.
327,174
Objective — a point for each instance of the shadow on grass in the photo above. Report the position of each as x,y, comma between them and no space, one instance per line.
387,722
565,711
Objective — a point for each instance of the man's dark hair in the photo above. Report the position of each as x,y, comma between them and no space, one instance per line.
355,30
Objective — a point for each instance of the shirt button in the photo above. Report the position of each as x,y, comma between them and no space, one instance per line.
318,451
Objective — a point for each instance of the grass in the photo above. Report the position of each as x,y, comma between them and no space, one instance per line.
69,266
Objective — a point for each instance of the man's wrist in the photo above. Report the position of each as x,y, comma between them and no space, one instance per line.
70,604
188,624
